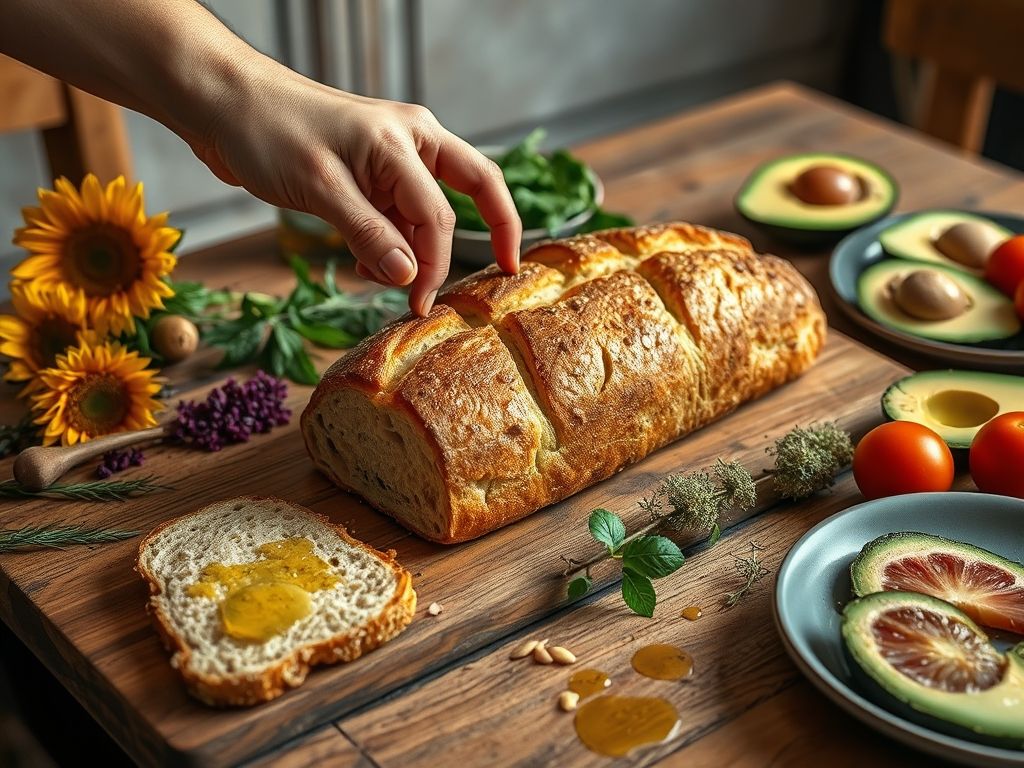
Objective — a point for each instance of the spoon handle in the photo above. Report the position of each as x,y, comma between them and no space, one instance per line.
37,467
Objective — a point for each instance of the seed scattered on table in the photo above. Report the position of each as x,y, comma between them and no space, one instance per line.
541,655
562,655
523,650
567,700
434,609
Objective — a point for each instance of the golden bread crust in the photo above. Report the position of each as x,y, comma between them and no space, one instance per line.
623,341
290,672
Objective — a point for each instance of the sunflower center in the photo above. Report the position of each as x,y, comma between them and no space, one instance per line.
102,259
50,338
98,404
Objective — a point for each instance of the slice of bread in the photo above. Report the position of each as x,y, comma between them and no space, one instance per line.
372,601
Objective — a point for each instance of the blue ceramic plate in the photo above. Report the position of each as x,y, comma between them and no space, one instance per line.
814,584
860,249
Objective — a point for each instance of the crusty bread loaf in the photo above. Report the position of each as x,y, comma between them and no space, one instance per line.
372,601
520,390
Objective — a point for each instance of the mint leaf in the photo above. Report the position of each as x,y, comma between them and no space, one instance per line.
607,528
652,556
638,592
578,587
716,534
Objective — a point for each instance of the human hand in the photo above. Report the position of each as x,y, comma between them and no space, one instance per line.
366,166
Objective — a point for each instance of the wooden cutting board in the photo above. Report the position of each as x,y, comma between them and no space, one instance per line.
82,612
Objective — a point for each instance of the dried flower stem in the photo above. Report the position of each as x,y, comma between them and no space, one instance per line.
59,537
751,569
99,490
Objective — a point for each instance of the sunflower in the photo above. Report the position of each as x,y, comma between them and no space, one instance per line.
45,324
101,248
94,390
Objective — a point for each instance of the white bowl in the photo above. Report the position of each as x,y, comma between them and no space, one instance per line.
473,248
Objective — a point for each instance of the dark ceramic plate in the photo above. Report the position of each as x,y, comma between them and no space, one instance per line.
814,584
859,250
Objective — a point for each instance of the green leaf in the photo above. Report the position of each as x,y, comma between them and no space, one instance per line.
321,333
638,592
652,556
716,534
300,369
607,528
579,586
239,339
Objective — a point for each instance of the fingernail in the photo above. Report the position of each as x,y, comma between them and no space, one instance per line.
429,302
397,266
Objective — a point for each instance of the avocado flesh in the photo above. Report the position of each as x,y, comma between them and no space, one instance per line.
914,237
991,314
954,404
765,197
996,712
868,568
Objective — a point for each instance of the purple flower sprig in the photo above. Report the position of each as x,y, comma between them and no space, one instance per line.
233,413
118,461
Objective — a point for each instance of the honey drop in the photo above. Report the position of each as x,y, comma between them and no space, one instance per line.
260,611
616,725
587,682
663,662
692,612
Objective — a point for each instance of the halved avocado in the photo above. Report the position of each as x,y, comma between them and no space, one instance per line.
914,237
954,404
766,199
991,314
933,665
987,587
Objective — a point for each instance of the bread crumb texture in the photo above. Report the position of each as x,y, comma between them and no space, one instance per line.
371,601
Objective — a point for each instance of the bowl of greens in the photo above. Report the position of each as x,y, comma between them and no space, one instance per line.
555,194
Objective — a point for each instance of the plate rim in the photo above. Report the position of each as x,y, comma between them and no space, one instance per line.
946,351
850,700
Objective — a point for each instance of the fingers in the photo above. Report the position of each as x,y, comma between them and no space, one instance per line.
375,242
420,202
463,168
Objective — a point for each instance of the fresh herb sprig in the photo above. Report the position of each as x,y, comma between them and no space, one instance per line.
644,557
96,490
548,189
751,569
807,460
59,536
271,331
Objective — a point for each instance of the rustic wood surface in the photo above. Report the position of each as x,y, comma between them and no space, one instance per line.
80,611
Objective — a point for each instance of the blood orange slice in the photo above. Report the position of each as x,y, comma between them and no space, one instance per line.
985,586
935,661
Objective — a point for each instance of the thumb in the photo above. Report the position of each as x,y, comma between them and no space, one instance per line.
374,241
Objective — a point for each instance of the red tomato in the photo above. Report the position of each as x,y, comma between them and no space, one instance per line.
997,455
902,457
1005,267
1018,300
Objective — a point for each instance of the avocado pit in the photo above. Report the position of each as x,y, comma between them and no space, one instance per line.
827,185
969,243
928,295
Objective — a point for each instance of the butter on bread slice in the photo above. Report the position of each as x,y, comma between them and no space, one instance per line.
370,601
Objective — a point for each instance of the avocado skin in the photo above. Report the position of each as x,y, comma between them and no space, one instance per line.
811,239
873,683
875,693
983,382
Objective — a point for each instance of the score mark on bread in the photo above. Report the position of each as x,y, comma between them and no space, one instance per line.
518,391
250,593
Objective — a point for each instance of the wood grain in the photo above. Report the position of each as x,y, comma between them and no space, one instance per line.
81,611
503,712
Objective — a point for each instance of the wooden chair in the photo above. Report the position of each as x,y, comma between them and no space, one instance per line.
81,133
966,47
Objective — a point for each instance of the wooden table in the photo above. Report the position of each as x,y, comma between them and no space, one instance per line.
747,706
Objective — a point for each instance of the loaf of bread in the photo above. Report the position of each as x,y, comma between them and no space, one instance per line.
365,599
520,390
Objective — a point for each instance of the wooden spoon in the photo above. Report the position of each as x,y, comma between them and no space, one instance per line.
37,468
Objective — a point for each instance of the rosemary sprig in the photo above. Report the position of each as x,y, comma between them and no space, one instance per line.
59,536
751,569
98,490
